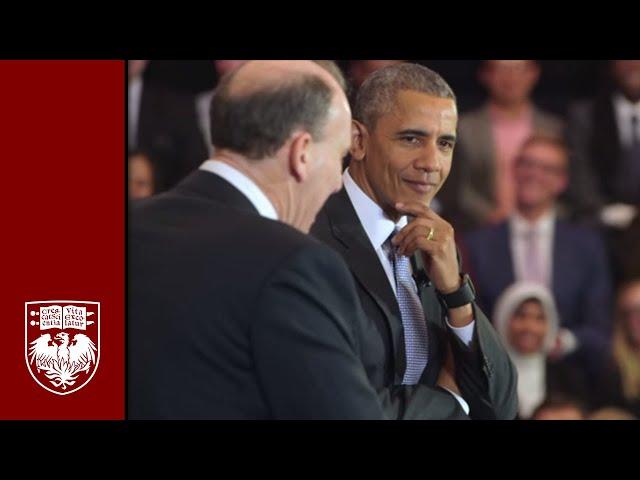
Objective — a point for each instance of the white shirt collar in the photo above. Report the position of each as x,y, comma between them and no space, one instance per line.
624,110
243,183
625,106
543,225
376,224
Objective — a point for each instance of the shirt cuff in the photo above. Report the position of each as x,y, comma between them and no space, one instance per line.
465,334
461,401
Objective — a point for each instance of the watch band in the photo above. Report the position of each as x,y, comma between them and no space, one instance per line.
464,295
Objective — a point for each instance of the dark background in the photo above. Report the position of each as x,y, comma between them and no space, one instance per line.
562,81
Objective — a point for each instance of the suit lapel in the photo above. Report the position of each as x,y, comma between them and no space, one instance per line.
504,253
606,142
486,145
365,265
540,123
562,263
486,151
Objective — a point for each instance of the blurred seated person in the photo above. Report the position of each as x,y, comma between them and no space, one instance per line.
141,175
482,190
611,413
203,100
627,250
163,123
527,321
604,133
560,407
626,342
533,244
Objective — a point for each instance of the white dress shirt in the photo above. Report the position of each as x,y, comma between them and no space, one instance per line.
624,110
544,227
243,183
133,109
378,228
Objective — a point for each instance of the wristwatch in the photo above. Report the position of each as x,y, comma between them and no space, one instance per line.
463,295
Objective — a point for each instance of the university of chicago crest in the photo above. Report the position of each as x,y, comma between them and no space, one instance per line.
62,343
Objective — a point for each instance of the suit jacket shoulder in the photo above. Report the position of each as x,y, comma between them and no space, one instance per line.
547,123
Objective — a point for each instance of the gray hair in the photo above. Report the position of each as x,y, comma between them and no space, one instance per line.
333,68
377,94
258,124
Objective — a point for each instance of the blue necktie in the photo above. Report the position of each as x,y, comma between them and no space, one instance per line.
413,320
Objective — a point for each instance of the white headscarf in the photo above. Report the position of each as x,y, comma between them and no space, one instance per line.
532,382
512,298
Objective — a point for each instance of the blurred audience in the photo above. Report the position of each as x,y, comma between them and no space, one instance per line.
141,175
482,190
534,244
560,407
626,342
605,136
163,123
359,70
527,321
626,250
611,413
514,198
203,100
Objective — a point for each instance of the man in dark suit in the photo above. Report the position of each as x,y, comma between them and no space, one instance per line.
423,330
163,124
235,313
534,244
605,136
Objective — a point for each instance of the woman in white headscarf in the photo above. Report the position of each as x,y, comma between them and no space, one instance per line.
527,321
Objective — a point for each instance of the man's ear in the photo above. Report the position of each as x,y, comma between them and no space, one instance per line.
300,155
359,139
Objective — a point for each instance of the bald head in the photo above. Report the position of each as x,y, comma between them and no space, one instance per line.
260,74
257,107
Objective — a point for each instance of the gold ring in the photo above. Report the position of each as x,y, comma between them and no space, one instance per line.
430,235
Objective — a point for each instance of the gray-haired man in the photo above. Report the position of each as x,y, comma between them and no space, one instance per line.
426,345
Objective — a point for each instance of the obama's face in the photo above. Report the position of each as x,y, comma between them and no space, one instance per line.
406,157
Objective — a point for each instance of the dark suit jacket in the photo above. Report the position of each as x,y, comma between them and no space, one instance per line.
169,132
484,373
581,283
627,250
235,316
599,158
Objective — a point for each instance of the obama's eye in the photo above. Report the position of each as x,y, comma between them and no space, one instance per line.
445,144
411,140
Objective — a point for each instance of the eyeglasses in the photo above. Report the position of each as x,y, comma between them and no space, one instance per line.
529,162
